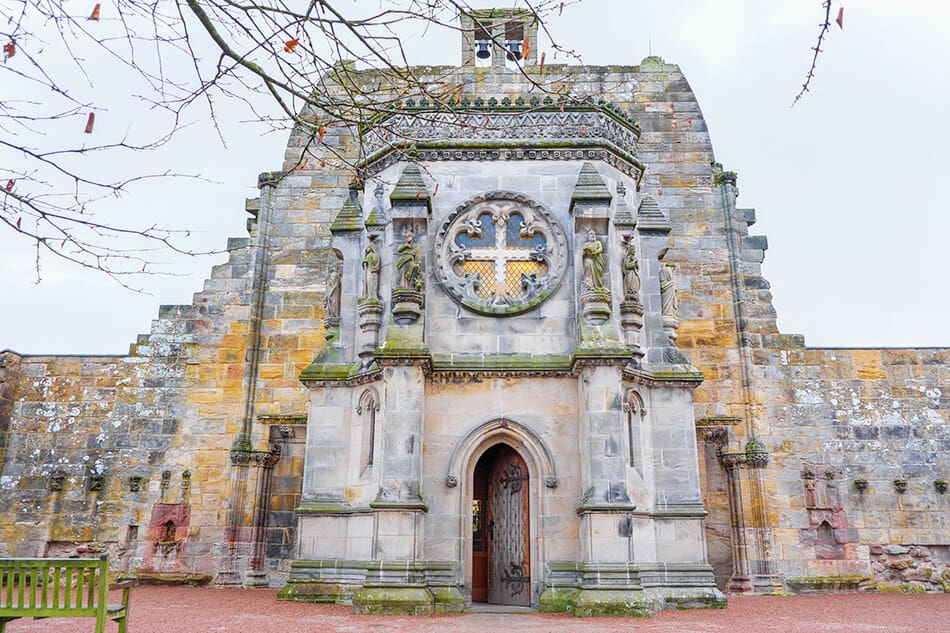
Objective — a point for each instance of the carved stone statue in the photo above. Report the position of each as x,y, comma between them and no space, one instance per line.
334,291
631,274
409,264
594,264
371,266
668,291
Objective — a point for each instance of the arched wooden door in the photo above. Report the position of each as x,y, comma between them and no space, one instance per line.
501,555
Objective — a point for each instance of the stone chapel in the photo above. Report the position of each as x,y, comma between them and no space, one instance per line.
512,347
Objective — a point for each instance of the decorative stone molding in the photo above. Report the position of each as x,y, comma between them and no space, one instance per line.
755,455
264,459
531,135
500,253
529,444
370,314
407,305
595,305
715,435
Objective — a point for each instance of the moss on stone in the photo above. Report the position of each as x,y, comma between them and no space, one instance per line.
327,372
315,591
612,602
516,362
158,578
903,588
840,582
447,599
393,601
557,600
710,601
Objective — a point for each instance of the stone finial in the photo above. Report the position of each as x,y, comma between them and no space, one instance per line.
590,186
650,218
376,219
350,217
411,187
623,217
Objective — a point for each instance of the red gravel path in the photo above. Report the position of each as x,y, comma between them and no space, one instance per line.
191,610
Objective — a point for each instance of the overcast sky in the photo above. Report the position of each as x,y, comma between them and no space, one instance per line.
850,185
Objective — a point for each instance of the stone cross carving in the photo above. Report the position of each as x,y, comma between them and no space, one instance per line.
501,254
631,273
409,263
594,264
668,291
371,265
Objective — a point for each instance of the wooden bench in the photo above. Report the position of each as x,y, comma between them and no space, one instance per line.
59,587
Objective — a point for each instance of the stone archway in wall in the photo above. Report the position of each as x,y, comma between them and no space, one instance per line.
508,461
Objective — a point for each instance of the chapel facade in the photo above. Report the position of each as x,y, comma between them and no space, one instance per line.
508,346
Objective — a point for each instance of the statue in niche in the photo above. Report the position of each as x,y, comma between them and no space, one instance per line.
409,263
670,305
334,291
371,265
594,264
631,273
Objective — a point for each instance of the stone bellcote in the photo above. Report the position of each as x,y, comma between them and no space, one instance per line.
492,37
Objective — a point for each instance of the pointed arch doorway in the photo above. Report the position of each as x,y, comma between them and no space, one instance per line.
501,567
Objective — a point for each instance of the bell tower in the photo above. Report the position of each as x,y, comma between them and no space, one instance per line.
494,37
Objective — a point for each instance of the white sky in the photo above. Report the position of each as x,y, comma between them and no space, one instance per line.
848,184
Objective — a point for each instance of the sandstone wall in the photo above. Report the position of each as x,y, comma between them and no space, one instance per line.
868,430
179,400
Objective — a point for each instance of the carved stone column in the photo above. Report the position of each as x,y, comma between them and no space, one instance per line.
264,460
750,572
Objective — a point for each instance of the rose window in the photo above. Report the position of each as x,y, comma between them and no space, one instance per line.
500,254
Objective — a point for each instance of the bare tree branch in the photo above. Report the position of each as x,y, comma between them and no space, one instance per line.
288,63
825,25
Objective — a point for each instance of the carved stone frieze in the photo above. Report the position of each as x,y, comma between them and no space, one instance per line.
437,132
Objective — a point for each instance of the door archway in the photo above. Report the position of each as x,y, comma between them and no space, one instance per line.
501,556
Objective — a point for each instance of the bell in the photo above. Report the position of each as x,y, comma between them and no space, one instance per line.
483,52
514,50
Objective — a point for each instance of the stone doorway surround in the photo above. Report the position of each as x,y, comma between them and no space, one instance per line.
541,469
